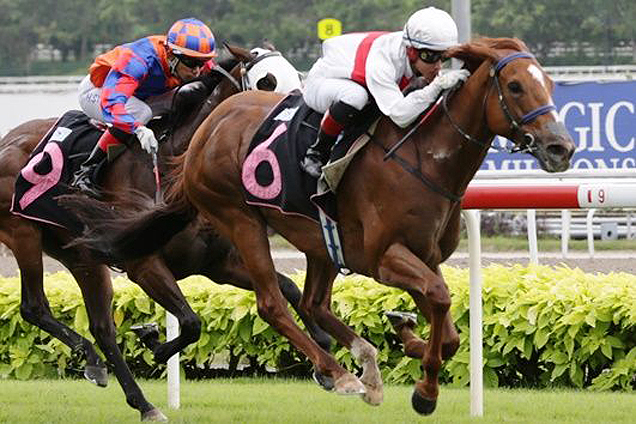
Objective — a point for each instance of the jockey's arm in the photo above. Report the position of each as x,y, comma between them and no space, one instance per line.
120,85
403,110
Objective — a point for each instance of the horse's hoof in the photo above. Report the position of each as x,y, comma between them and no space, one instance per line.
373,395
399,319
146,331
348,384
153,415
422,405
96,375
323,381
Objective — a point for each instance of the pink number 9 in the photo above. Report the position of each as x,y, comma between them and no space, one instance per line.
42,183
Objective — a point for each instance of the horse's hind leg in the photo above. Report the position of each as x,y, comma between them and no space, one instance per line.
317,301
293,295
399,267
231,270
414,347
98,296
26,244
152,275
250,237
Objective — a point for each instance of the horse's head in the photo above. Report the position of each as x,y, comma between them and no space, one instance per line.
266,69
518,104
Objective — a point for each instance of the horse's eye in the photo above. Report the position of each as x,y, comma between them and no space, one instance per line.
515,87
267,83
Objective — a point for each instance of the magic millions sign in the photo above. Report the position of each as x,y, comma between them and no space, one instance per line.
600,117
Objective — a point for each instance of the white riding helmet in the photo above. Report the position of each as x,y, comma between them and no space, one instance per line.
430,28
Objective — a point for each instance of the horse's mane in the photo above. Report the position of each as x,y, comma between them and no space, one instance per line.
474,53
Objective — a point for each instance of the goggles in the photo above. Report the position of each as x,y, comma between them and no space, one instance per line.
431,56
192,62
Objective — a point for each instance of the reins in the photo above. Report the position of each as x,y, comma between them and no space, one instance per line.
515,125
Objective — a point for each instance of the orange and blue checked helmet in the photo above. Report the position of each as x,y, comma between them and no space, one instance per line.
191,37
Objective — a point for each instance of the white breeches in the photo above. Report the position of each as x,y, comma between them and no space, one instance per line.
90,102
320,93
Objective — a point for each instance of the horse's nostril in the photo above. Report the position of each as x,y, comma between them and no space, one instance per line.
559,151
528,139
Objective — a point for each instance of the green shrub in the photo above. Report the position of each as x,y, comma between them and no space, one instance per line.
542,327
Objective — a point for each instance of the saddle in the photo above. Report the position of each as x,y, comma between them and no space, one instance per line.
50,169
271,173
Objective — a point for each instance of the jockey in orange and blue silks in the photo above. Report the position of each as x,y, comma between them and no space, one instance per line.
131,83
359,66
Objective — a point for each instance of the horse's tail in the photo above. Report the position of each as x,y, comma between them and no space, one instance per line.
130,230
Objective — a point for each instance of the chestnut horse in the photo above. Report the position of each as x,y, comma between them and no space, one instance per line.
398,208
196,250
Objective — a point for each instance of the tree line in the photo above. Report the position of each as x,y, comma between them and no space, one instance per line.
560,32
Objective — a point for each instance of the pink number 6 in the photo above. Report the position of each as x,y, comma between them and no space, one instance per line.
262,154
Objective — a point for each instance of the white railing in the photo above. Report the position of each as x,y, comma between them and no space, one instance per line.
597,194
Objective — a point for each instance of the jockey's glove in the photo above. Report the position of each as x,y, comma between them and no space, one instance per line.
146,139
451,78
410,107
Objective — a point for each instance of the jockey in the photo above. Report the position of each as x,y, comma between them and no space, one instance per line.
380,64
131,83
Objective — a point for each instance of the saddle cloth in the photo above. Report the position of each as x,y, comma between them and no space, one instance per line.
271,173
50,169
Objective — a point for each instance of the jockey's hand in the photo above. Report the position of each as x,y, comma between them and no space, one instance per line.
451,78
147,139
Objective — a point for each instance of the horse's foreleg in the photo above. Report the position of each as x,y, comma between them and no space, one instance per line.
26,245
250,237
152,275
399,267
317,301
98,295
293,295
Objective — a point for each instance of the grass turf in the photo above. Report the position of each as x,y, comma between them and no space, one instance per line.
257,401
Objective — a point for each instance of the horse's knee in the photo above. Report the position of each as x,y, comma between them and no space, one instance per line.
191,328
439,297
103,330
33,313
449,348
269,309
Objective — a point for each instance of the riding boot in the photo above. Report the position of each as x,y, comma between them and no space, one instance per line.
318,154
85,178
337,117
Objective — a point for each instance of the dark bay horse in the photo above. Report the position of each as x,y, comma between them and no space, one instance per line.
196,250
398,209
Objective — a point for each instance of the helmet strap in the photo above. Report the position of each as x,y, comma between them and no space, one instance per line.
411,53
173,61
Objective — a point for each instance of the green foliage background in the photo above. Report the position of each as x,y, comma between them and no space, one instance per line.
543,327
77,27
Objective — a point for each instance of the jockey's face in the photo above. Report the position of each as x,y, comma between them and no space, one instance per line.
188,69
426,69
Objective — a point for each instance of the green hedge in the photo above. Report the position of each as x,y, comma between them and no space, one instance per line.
543,327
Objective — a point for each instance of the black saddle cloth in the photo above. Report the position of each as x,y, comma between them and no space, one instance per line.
50,169
271,173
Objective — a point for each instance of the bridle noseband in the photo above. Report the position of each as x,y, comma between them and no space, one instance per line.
530,146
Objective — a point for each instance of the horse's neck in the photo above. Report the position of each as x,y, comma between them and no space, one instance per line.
466,109
180,140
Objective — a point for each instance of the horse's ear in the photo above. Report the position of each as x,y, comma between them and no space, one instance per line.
268,45
472,54
239,53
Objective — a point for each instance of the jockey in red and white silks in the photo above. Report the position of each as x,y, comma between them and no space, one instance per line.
379,64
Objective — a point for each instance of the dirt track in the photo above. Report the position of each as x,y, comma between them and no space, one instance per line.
289,261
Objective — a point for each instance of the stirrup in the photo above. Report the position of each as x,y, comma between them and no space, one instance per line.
83,183
312,166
